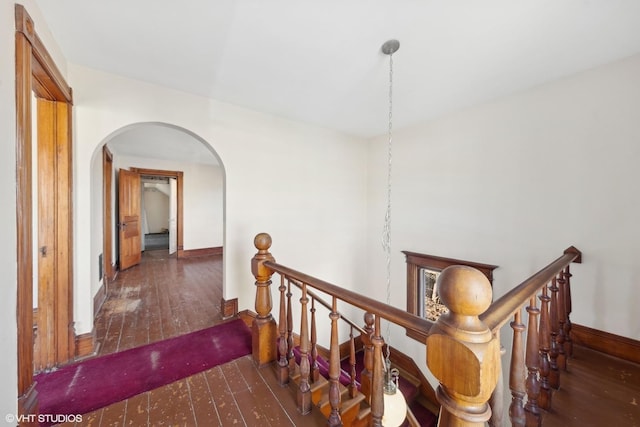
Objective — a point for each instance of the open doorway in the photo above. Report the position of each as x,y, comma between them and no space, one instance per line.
159,212
159,153
140,225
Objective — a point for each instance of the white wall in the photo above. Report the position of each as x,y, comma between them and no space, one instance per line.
303,184
8,265
8,292
156,207
517,181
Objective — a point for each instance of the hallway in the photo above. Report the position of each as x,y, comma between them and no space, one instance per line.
161,298
164,297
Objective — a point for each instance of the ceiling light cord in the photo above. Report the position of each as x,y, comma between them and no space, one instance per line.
386,232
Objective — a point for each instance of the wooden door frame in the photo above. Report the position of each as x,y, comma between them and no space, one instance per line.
37,73
178,175
109,271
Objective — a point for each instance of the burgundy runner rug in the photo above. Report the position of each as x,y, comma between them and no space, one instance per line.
94,383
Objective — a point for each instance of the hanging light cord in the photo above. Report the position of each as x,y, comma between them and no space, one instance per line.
386,232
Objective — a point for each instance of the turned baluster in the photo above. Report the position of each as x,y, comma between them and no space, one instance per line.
554,374
367,346
334,368
353,387
290,354
283,363
545,345
568,343
462,352
315,370
377,376
532,360
263,329
562,315
304,390
516,374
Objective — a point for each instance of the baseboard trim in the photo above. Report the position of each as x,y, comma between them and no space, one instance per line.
229,308
191,253
99,298
605,342
85,345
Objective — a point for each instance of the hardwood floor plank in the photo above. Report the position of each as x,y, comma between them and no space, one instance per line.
92,419
596,390
171,405
226,405
204,409
114,415
266,402
137,410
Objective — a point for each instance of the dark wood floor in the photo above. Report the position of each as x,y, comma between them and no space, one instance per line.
164,297
598,390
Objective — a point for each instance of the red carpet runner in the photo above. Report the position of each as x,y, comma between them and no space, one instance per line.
86,386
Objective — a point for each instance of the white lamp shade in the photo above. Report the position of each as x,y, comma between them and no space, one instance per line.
395,409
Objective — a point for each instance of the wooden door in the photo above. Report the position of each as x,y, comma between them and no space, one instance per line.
37,77
173,216
129,219
55,338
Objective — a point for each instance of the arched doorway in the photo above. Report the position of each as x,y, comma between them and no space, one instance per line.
159,149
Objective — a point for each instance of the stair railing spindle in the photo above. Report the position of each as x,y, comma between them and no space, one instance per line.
516,374
544,401
568,343
562,315
315,370
290,355
334,368
532,361
304,390
367,346
283,363
554,373
353,387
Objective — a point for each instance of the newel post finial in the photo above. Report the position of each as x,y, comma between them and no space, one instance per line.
461,351
263,329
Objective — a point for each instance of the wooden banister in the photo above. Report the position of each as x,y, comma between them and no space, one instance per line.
326,305
392,314
463,350
504,307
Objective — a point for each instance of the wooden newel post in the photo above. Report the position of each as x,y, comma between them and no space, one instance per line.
461,351
263,329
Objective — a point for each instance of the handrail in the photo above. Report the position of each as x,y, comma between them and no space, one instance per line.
501,310
388,312
468,335
328,306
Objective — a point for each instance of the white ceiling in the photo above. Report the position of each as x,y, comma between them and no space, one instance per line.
159,141
320,62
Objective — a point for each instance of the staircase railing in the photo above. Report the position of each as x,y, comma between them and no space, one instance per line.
536,365
463,350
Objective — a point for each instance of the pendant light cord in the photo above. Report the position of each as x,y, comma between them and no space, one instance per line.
386,233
